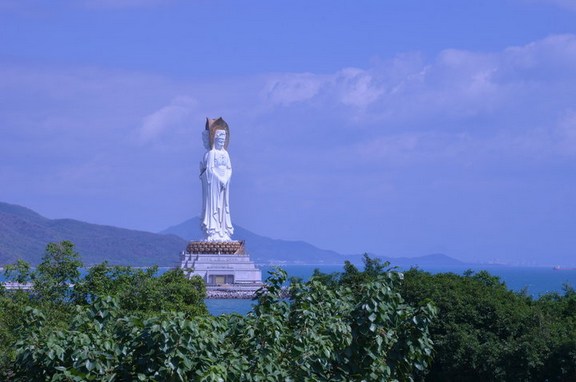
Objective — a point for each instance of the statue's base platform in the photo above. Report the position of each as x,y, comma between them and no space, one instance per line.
220,263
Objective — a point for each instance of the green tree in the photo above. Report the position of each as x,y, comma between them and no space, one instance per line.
19,272
61,304
51,282
12,307
57,273
320,333
485,332
556,318
142,290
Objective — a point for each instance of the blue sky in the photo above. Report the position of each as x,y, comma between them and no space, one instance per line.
400,128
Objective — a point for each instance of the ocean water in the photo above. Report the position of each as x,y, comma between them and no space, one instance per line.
536,280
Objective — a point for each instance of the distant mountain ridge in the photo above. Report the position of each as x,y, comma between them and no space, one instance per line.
264,250
435,259
25,233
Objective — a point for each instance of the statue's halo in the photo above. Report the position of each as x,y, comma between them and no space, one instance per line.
217,124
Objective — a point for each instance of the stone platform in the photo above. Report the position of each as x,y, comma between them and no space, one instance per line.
220,263
216,247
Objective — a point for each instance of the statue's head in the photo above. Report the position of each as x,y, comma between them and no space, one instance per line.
219,138
218,129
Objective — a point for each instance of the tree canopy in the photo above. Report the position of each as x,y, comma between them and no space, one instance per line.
375,324
124,324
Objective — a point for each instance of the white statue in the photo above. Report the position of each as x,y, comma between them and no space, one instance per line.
215,173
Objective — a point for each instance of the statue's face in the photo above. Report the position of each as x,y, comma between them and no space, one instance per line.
220,139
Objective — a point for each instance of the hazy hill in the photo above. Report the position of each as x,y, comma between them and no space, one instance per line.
426,261
264,250
24,235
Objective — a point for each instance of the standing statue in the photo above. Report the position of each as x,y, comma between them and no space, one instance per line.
215,173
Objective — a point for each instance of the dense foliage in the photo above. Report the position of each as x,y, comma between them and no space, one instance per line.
485,332
139,290
375,324
318,333
59,293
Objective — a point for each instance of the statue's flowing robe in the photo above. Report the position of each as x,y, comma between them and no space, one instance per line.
203,180
216,222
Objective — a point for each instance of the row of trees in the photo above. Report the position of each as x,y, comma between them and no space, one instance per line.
120,324
375,324
59,294
484,331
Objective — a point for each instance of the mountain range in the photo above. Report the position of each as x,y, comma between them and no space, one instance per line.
264,250
25,233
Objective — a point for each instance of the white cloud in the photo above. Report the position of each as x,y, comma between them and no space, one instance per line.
172,116
513,94
566,4
357,87
287,89
552,56
456,84
460,106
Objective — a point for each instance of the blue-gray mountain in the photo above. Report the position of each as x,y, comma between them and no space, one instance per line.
24,235
264,250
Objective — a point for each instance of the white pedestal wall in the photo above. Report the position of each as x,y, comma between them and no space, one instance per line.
222,269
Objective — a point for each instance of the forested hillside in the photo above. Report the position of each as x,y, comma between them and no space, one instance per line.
24,235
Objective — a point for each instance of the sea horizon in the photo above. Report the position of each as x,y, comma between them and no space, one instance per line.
535,281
